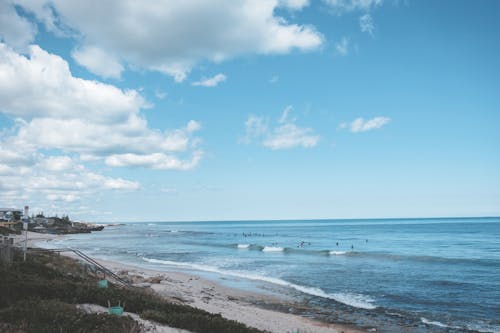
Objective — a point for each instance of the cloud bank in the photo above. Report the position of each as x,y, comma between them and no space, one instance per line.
160,35
77,120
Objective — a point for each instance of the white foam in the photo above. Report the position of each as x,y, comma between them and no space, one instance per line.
337,253
243,246
355,300
272,249
483,327
435,323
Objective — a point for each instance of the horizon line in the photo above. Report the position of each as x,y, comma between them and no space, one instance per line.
310,219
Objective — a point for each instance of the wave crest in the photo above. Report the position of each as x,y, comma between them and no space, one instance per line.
272,249
354,300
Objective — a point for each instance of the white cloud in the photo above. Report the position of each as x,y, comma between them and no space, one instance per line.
352,5
55,178
62,197
89,118
294,4
289,136
211,82
98,62
366,24
80,121
58,163
119,184
15,30
161,36
361,125
42,85
342,47
193,126
156,161
284,136
255,127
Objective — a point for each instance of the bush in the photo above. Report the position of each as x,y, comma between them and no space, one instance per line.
198,322
36,315
58,284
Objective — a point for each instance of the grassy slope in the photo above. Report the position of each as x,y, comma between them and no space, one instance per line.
40,296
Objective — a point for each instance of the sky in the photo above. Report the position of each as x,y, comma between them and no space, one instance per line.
126,110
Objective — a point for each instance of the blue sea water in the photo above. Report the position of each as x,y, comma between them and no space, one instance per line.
428,274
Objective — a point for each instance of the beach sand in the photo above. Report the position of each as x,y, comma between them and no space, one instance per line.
204,294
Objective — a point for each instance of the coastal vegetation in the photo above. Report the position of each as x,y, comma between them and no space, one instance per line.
42,294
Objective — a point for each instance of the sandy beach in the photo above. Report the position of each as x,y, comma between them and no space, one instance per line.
204,294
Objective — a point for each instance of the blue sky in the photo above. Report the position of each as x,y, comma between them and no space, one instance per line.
286,109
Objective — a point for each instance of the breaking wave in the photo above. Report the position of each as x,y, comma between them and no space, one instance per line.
352,299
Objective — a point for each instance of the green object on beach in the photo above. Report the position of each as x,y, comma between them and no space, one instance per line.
103,283
116,310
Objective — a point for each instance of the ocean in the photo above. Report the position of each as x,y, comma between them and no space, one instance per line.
426,275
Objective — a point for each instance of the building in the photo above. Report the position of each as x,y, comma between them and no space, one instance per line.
10,214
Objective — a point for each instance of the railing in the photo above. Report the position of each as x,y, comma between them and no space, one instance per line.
87,259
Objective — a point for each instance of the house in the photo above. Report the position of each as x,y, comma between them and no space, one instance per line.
10,214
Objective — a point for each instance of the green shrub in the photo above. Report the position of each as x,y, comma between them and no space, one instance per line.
58,283
36,315
198,322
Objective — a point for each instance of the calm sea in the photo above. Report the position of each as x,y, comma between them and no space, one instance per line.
428,275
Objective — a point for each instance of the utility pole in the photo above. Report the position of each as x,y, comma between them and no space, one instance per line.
26,220
25,227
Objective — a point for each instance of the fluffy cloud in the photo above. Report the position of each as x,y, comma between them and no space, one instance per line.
361,125
289,136
54,178
156,161
58,163
161,36
210,82
366,24
43,86
284,136
98,62
80,120
14,29
85,117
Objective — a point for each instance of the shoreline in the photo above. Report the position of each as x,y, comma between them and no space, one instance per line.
252,308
